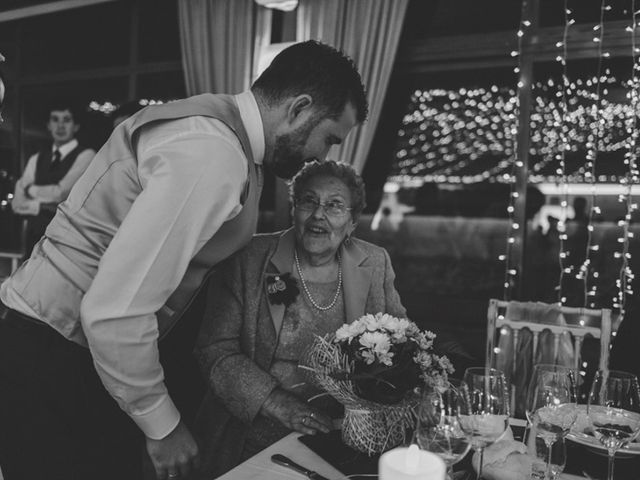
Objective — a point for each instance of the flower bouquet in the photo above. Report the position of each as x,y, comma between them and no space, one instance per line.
372,367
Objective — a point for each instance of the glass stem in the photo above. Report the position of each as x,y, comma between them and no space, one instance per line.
479,477
526,432
547,475
611,458
449,472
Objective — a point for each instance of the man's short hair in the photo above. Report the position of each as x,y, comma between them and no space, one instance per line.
316,69
62,105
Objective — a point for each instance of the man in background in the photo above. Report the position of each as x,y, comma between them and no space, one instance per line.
50,173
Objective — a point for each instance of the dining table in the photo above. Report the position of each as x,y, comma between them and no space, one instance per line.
261,467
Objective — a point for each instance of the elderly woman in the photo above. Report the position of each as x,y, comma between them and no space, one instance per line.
267,305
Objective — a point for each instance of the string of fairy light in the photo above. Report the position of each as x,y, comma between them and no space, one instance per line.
624,282
516,163
561,170
465,136
593,146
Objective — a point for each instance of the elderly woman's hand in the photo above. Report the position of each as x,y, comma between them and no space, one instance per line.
295,414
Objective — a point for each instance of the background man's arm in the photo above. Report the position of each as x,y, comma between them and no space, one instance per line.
58,192
21,203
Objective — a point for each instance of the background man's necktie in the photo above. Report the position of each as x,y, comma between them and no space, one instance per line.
56,156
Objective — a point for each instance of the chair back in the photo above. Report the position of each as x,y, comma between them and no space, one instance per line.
559,330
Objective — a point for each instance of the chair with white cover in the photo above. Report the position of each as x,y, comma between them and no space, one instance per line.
522,334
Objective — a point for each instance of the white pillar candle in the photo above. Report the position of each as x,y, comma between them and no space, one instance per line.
411,464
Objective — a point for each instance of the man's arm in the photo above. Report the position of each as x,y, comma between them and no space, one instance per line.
186,197
58,192
21,204
191,184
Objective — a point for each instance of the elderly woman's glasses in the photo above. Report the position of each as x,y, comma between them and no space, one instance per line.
334,208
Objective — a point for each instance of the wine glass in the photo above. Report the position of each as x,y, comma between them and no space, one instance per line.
548,460
485,412
438,428
551,405
614,410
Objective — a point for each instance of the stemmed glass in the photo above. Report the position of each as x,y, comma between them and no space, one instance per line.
551,406
614,410
548,461
438,427
485,413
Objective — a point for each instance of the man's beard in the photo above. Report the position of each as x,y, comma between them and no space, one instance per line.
288,152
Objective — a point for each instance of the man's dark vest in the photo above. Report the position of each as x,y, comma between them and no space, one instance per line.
49,173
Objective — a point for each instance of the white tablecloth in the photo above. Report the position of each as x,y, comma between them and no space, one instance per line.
260,466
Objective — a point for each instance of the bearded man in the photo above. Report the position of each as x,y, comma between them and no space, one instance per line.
173,192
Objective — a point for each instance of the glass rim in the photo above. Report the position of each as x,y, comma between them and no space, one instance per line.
483,371
619,373
553,365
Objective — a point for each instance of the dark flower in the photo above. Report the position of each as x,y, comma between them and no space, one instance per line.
282,288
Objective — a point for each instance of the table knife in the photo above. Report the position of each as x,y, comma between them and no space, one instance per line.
287,462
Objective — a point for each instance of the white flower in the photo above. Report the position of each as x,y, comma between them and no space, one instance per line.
370,322
369,356
389,323
386,358
344,333
376,341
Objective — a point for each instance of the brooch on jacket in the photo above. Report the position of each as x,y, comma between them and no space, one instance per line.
282,288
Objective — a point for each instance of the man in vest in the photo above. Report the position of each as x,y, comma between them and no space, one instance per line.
49,175
173,191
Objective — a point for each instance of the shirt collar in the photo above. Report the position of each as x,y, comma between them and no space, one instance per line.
252,120
66,148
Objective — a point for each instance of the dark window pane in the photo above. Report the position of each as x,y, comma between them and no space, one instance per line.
571,198
455,143
77,39
9,172
95,126
13,4
159,37
162,86
426,18
583,11
582,119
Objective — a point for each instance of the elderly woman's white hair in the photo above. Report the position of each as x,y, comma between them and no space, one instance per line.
341,171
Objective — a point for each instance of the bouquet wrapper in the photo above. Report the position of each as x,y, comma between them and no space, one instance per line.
374,428
369,427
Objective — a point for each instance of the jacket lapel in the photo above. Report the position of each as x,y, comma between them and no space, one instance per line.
280,263
357,281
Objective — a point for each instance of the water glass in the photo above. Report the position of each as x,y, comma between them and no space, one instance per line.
548,460
485,415
438,427
614,410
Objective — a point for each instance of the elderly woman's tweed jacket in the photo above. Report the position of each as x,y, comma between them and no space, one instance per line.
239,334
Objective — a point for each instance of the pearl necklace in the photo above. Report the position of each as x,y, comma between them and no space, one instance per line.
306,288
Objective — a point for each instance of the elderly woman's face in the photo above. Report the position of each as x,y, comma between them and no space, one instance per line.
319,231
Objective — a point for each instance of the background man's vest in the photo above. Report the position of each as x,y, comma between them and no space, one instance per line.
48,173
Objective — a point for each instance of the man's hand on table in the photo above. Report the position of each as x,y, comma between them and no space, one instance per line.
295,414
176,455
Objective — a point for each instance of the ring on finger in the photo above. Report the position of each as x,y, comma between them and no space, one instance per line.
173,475
313,415
305,420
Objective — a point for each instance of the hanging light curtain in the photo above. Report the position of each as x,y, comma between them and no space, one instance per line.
219,43
369,32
